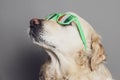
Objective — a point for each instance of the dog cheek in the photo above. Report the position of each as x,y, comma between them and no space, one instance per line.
82,59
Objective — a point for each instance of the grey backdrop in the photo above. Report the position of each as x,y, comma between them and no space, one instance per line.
21,60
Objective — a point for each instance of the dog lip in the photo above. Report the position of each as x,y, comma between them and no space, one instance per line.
35,32
33,35
36,38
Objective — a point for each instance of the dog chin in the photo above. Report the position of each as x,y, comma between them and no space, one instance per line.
43,44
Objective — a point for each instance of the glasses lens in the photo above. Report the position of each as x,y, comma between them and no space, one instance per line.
51,16
65,19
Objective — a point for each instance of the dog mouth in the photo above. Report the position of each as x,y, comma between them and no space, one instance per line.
35,28
36,33
37,39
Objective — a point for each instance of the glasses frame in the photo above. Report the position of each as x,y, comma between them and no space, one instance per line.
69,18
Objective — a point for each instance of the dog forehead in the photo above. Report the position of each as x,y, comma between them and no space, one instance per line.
87,28
54,28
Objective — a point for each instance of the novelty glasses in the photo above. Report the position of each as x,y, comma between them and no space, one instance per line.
66,19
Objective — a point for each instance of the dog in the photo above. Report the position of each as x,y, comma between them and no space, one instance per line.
71,57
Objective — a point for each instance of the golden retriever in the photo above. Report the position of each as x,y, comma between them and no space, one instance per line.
69,60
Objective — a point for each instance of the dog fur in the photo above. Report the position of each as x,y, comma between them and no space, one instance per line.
68,58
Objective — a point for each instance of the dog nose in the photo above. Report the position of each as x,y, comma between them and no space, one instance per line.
35,22
35,27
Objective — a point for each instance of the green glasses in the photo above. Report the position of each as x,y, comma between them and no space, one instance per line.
66,19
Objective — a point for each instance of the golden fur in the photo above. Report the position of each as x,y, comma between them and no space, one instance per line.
68,58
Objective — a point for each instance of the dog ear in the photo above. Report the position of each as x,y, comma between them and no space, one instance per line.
98,53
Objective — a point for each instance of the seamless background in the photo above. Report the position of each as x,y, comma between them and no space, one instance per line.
20,59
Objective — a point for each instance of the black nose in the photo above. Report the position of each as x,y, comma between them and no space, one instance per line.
35,23
35,28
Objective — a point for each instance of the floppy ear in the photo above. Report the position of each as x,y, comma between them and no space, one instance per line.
98,53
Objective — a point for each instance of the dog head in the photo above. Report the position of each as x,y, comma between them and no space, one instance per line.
66,39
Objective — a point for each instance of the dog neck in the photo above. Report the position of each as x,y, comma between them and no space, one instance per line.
64,64
64,67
